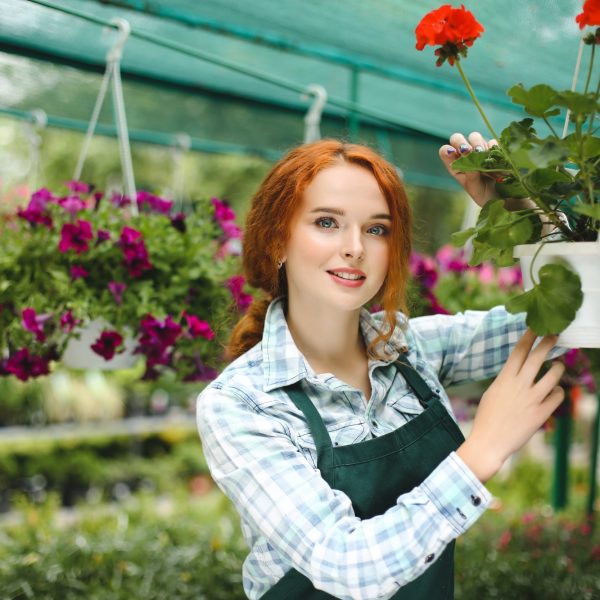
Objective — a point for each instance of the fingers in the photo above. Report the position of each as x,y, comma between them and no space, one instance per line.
519,353
460,145
549,382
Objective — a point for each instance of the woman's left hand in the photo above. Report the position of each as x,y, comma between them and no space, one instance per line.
480,187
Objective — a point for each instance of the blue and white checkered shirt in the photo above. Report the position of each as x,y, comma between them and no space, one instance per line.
261,454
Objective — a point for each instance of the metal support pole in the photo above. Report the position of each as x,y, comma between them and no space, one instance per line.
562,442
594,462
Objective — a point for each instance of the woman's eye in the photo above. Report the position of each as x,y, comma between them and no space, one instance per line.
325,222
378,230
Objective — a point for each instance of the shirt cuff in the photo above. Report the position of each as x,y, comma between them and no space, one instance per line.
455,491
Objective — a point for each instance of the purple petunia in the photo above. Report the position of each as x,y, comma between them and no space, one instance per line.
235,285
135,254
75,236
23,365
107,344
34,323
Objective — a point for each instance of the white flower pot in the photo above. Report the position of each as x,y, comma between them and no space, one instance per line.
584,259
79,355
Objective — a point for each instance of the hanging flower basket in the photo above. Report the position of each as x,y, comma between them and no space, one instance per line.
79,268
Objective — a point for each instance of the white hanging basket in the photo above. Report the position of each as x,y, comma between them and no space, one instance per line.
79,354
584,259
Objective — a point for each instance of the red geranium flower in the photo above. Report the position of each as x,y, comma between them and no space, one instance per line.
590,14
453,29
106,345
23,365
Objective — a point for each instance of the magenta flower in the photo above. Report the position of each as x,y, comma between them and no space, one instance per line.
68,322
34,323
78,187
451,259
72,204
120,200
102,236
135,255
223,212
235,285
486,273
423,269
232,247
198,328
157,339
201,372
178,221
77,272
36,211
231,230
509,277
41,198
117,289
154,203
106,345
23,365
75,236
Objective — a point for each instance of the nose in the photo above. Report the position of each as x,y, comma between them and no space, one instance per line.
353,244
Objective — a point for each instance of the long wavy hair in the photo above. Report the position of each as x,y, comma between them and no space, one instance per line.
267,231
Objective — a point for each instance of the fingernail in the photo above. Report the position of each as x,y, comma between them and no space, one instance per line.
478,148
464,148
450,150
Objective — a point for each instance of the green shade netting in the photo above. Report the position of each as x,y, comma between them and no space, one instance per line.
363,53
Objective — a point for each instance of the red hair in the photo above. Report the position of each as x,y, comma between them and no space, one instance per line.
267,231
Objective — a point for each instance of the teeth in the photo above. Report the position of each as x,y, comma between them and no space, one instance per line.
347,275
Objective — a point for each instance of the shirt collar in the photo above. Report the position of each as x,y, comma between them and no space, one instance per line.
284,364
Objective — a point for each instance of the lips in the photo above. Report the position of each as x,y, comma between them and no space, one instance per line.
348,274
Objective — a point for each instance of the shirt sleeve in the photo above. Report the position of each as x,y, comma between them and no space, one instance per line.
312,527
469,346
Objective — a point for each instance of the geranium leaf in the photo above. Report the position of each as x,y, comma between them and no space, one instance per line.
540,179
549,152
577,103
538,101
518,134
459,238
552,303
588,210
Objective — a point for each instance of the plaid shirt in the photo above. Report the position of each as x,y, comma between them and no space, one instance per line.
261,454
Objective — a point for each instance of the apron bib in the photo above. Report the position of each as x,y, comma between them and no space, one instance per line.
373,473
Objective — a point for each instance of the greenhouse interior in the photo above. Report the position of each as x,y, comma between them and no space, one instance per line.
150,444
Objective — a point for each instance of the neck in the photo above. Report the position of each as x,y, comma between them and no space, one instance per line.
326,338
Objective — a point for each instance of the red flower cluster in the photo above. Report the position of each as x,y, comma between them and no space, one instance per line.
135,254
453,29
590,14
106,345
23,365
75,236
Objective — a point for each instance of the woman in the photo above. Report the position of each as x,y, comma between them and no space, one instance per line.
331,431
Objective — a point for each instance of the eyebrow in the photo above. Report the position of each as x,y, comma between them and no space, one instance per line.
337,211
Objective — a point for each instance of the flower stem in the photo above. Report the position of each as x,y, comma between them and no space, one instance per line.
475,100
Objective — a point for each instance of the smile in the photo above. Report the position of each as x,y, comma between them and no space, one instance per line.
351,276
347,279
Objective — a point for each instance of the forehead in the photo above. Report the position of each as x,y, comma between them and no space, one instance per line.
344,183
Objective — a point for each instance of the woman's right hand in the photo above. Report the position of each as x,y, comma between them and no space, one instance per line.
514,407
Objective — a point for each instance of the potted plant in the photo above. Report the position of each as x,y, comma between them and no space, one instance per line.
555,231
159,283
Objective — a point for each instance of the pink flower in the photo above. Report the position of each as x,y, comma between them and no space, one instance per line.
75,236
423,269
509,277
68,322
78,186
451,259
504,540
72,204
120,200
106,345
198,328
117,289
77,272
34,323
36,210
235,285
102,236
230,230
23,365
486,273
223,212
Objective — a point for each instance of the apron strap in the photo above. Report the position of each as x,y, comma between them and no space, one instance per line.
315,422
423,392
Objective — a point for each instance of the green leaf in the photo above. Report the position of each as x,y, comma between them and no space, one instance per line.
511,188
538,101
577,103
459,238
588,210
549,152
552,303
540,179
518,134
482,252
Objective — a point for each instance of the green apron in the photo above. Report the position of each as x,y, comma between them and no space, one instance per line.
373,473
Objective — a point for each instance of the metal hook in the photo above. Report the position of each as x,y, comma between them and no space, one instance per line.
124,29
312,120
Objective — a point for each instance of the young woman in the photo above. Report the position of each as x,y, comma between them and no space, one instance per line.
331,431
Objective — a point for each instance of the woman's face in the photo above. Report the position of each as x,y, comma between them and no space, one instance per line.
338,251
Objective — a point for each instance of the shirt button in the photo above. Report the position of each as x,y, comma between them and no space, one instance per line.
475,500
429,558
